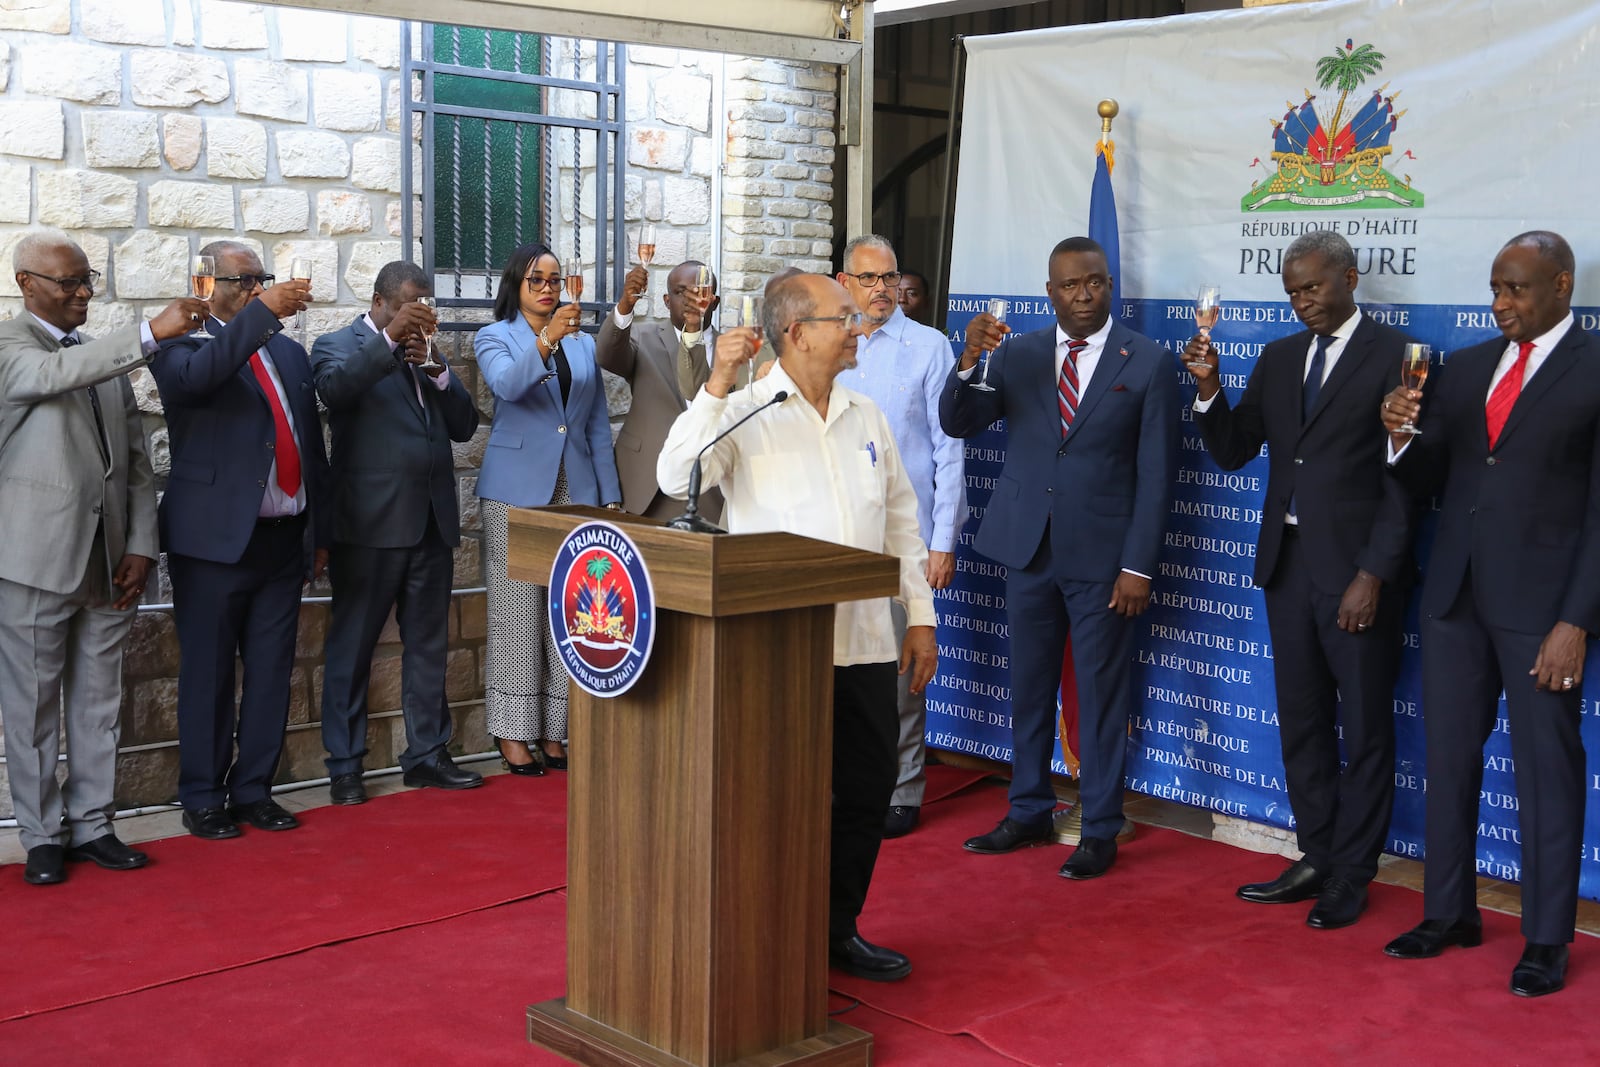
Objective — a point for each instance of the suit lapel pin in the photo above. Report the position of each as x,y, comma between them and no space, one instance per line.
1122,352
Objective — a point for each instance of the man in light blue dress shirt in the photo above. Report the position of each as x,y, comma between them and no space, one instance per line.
901,365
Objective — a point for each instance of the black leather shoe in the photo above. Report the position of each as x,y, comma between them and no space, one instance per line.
1541,970
1432,936
213,824
1300,881
901,820
1340,904
555,763
1008,837
109,853
264,815
46,865
347,789
438,772
862,958
1092,858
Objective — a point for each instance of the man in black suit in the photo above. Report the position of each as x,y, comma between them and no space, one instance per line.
396,525
1333,558
245,523
1511,444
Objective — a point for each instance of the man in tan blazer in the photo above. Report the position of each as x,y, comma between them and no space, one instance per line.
665,364
77,544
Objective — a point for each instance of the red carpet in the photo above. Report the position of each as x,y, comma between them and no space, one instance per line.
454,992
1158,963
205,906
380,942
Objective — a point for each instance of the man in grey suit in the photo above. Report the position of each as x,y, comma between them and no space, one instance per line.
665,364
77,544
395,526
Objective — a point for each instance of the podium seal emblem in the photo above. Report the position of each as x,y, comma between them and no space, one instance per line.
602,609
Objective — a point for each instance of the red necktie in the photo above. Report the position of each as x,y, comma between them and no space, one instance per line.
283,447
1506,391
1067,386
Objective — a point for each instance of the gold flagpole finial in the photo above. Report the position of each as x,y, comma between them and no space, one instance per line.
1107,110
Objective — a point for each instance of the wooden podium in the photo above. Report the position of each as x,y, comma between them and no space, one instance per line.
698,807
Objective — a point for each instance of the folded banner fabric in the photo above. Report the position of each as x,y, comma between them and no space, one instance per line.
1427,132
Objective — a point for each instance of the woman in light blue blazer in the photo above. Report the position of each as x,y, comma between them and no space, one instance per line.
550,444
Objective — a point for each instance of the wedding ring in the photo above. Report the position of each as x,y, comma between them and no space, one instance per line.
1566,683
1361,626
193,317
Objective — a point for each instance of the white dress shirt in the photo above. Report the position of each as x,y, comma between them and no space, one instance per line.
441,383
1543,345
838,480
1341,339
275,503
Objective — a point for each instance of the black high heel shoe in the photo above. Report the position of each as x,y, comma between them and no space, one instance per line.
535,769
553,763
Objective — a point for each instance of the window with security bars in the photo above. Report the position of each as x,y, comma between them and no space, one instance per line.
519,142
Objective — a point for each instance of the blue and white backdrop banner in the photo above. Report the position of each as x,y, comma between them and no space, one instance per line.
1427,132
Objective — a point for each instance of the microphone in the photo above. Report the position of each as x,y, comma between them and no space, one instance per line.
691,518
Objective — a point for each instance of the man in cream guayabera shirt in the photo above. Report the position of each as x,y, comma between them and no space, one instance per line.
822,463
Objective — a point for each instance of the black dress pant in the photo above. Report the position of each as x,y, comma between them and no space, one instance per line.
249,610
367,582
1466,662
866,731
1328,679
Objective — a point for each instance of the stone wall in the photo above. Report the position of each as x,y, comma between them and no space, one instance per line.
145,128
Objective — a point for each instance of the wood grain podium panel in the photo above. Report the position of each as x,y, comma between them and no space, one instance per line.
697,856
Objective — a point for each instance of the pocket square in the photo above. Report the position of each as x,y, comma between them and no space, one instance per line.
1119,388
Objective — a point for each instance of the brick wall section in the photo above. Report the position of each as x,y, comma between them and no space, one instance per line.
777,198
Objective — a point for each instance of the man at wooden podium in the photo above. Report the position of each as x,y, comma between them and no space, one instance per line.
821,462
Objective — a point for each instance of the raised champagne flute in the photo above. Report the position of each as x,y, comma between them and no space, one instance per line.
575,290
300,271
746,311
647,244
1414,364
1207,310
202,282
998,308
430,363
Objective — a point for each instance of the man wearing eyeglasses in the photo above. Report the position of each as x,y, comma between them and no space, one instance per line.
824,464
77,544
1077,517
664,364
245,523
901,366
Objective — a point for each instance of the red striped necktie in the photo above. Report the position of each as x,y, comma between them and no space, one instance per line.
1504,396
283,445
1067,385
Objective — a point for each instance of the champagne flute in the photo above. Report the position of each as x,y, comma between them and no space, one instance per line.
300,271
1207,310
998,309
647,244
746,311
202,282
700,290
1414,365
428,335
575,290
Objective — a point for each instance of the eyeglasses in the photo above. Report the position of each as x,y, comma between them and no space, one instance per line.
247,282
537,282
69,285
870,280
852,321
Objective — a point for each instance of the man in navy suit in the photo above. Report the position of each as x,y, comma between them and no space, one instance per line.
1334,560
396,525
1077,516
1510,443
244,522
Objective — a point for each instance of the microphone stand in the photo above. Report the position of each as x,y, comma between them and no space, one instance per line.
691,519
